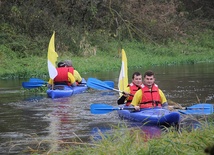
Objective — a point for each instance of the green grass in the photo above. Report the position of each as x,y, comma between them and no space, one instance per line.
138,54
132,141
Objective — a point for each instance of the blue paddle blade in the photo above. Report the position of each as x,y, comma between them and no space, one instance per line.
31,85
36,80
97,84
198,109
105,108
109,83
201,106
102,108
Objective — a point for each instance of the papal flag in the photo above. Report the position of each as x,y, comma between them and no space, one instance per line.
52,58
123,78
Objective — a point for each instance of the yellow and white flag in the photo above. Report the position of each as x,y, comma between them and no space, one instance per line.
52,58
123,78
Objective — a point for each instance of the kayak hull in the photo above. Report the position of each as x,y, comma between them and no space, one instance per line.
152,116
66,91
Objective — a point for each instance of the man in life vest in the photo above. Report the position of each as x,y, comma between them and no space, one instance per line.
73,71
131,89
149,95
63,77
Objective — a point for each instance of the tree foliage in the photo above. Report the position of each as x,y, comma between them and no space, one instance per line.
26,26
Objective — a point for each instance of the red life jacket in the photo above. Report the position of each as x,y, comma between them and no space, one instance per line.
151,97
71,70
62,76
133,89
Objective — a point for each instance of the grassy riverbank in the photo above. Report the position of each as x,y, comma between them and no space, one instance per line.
138,54
135,142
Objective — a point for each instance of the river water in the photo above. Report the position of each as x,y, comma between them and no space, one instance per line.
31,121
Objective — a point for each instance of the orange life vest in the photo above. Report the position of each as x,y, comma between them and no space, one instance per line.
133,89
62,76
150,97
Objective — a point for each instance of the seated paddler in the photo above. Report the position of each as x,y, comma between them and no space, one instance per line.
149,95
131,89
73,71
64,77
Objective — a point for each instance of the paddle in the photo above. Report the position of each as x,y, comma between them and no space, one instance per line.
198,109
105,108
34,83
31,85
100,85
196,106
109,83
36,80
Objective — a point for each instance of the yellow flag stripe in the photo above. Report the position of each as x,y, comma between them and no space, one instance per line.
123,77
52,58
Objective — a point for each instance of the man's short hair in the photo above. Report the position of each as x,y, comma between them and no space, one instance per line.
61,64
135,74
149,73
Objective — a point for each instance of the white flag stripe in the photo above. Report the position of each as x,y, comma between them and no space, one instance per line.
52,70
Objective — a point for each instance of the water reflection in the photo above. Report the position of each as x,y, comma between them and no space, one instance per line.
35,121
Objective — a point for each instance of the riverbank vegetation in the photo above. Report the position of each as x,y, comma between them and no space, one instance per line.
134,142
138,55
194,139
92,32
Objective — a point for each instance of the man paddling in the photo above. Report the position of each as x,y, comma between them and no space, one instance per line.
131,89
149,95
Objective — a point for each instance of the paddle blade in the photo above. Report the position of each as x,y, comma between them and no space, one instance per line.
102,108
31,85
109,83
97,84
201,106
198,109
36,80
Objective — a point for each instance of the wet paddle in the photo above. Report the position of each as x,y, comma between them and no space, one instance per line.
105,108
34,83
109,83
31,85
100,85
198,109
36,80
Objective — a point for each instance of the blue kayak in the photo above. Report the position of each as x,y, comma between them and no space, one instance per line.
151,116
66,91
198,109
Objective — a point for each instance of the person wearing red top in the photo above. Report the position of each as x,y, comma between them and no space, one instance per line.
131,89
72,70
63,76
